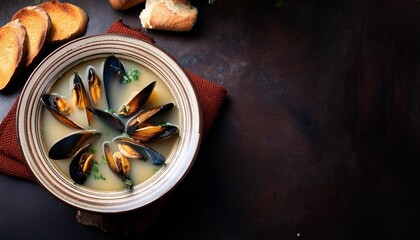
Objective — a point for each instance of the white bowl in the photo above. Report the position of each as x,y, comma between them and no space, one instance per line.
180,158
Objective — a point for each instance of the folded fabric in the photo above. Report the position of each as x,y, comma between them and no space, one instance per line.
12,161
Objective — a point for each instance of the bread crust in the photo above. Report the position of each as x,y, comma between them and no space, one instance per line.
12,43
68,21
124,4
37,24
172,15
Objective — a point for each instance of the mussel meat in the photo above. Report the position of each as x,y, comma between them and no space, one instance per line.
80,97
142,150
59,108
138,101
94,86
128,151
113,76
118,163
81,166
72,143
150,133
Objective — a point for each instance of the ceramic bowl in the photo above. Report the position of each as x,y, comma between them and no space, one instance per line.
29,129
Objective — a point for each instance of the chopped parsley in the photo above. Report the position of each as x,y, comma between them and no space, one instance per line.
98,177
131,76
104,160
112,111
95,169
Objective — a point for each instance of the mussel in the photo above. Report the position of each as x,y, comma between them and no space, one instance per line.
94,86
144,115
129,151
81,165
144,152
113,77
80,97
108,118
149,133
72,144
137,102
118,163
59,108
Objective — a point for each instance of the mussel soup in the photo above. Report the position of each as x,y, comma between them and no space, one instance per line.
109,123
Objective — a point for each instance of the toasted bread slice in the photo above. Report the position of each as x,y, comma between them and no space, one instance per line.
68,21
12,45
37,24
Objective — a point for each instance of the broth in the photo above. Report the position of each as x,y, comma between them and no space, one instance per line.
101,177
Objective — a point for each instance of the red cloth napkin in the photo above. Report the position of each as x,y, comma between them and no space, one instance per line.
12,161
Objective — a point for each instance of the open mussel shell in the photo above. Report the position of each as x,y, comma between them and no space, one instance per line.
142,116
113,77
95,89
118,163
80,97
137,102
146,153
129,151
152,133
108,118
59,108
72,144
81,165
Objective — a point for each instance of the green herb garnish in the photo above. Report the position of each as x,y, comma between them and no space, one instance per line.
211,2
112,111
131,76
104,161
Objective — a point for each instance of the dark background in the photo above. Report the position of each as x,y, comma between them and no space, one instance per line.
319,137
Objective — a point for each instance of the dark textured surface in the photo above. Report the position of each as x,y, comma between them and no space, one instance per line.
319,137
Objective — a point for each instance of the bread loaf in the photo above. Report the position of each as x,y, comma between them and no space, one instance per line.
124,4
172,15
12,45
68,21
37,25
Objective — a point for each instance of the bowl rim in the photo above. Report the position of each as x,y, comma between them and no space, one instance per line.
176,80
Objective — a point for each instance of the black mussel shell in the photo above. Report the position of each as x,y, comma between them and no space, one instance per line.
95,89
118,164
152,133
154,156
138,101
109,118
113,77
80,97
72,144
143,115
81,166
50,102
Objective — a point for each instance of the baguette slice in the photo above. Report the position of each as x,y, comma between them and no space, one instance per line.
13,47
37,25
172,15
68,21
